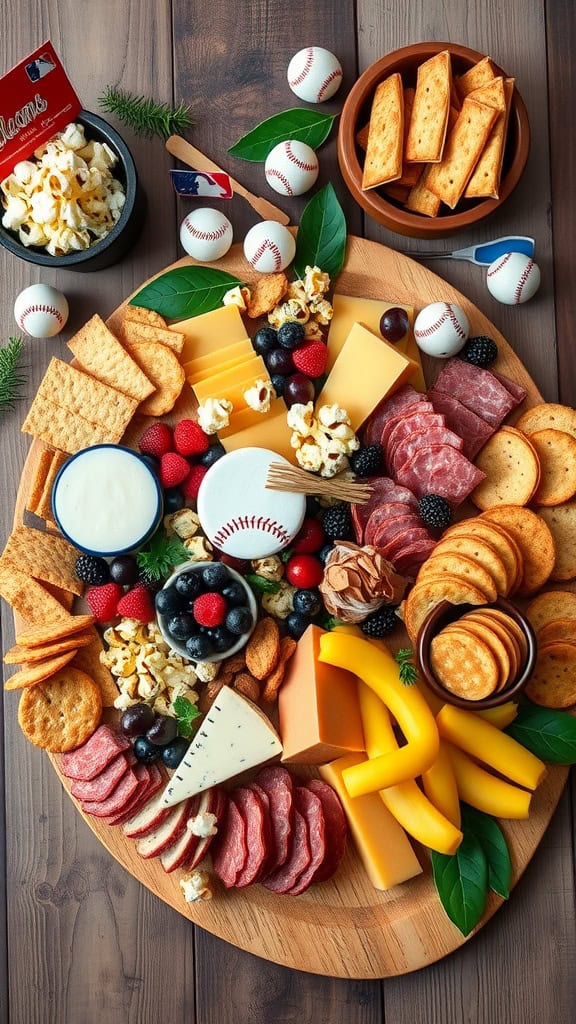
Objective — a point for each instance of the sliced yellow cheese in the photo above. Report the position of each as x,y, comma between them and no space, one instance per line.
214,361
250,429
217,385
367,370
210,331
194,377
368,312
382,844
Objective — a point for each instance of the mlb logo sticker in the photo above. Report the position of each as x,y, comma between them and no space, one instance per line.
201,184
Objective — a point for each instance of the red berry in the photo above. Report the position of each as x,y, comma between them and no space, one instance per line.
192,483
173,469
190,439
156,440
310,358
241,565
304,571
137,604
310,538
210,609
103,601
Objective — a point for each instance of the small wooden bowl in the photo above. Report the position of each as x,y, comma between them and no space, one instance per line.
446,612
356,114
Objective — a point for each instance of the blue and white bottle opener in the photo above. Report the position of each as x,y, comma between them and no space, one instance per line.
485,254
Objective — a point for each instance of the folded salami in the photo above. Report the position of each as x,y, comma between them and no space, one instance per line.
95,755
478,389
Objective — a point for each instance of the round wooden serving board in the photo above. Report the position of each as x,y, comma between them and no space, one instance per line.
343,928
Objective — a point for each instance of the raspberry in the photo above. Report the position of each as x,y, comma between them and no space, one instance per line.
156,440
310,359
103,601
137,604
191,486
173,469
210,609
189,438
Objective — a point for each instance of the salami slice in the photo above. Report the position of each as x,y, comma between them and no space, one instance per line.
478,389
473,430
94,756
269,861
310,807
372,429
276,782
381,530
384,490
409,558
299,857
155,782
102,784
139,795
118,799
252,810
336,829
405,449
406,426
231,852
406,539
516,390
440,469
393,421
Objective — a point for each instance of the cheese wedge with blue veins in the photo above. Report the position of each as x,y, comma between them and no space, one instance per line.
234,736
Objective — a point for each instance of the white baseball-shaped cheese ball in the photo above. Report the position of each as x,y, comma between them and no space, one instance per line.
269,247
206,234
314,74
441,329
291,168
513,278
41,311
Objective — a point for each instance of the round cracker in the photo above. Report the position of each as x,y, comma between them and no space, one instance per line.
480,551
463,664
426,594
557,631
534,540
512,469
561,521
54,630
61,713
507,639
164,369
463,567
556,451
548,415
512,627
553,681
31,675
554,604
497,537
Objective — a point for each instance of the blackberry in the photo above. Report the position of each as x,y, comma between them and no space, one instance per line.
91,569
367,461
337,522
435,511
480,351
290,334
264,340
380,623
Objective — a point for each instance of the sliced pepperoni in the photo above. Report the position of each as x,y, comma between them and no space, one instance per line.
95,755
310,807
231,853
155,782
252,810
277,783
478,389
384,530
299,857
405,449
269,861
336,828
414,535
440,469
409,559
471,428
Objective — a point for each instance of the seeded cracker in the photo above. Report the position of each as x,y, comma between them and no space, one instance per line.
485,181
449,178
140,315
19,655
30,599
65,625
429,120
480,74
87,659
62,713
65,597
164,370
44,556
101,354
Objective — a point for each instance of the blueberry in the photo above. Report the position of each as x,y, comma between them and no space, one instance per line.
215,576
297,624
234,593
278,382
189,584
170,602
239,620
182,626
307,602
212,454
173,500
264,340
199,646
173,752
145,751
290,335
324,552
222,638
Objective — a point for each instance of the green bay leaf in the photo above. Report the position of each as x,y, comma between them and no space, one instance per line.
299,123
321,238
491,838
185,291
461,882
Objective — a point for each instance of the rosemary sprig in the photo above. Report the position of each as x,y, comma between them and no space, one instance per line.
11,381
145,116
408,672
162,554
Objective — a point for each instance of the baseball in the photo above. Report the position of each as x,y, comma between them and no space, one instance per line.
291,168
513,278
269,247
314,74
206,234
441,329
41,311
239,515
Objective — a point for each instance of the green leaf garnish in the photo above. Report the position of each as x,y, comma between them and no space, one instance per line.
490,836
298,123
186,713
321,238
145,116
11,382
461,882
408,672
331,622
262,586
186,291
161,555
550,735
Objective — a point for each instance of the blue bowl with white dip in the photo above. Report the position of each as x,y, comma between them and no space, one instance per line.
106,500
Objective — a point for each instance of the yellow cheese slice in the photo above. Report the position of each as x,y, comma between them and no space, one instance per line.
194,377
210,331
368,312
250,429
216,385
214,361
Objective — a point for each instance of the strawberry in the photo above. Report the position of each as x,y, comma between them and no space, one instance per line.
210,609
310,358
190,439
103,601
173,469
137,604
191,486
156,440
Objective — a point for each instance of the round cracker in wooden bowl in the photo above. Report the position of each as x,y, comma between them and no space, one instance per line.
548,415
561,521
556,452
517,634
62,712
429,592
510,462
464,664
534,540
488,626
553,681
489,640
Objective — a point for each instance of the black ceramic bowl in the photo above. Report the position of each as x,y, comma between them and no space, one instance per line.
108,250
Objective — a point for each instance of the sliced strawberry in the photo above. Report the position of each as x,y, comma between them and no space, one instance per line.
173,469
310,358
137,604
103,601
156,440
190,439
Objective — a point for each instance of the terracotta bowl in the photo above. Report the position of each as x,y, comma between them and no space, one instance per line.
356,114
446,612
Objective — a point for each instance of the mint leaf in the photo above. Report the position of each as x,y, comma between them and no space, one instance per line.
461,882
186,714
262,586
185,291
491,838
161,555
550,735
321,238
308,126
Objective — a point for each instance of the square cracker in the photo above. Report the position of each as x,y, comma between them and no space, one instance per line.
134,331
30,599
41,470
478,75
464,145
383,162
429,120
485,181
44,506
60,428
100,353
44,556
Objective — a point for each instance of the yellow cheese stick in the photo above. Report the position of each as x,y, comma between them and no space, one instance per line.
484,791
440,786
501,716
483,741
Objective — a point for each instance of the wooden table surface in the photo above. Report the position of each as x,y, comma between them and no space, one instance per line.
80,941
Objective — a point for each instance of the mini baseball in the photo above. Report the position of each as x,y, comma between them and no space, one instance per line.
269,247
41,311
237,512
206,234
513,278
314,74
291,168
441,329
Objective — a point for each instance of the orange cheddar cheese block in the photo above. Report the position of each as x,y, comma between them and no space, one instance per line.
210,332
219,384
230,364
250,429
318,707
382,844
366,371
214,362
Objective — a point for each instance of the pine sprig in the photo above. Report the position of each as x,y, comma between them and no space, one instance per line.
408,672
11,381
146,116
161,556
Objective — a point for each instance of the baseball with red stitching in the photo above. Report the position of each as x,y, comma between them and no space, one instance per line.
206,234
314,74
441,329
269,247
291,168
41,311
239,515
513,278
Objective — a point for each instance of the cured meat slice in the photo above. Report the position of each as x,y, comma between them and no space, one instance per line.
299,857
150,816
384,490
252,810
516,390
269,861
473,430
381,529
478,389
336,828
430,435
95,755
310,807
118,799
406,396
417,534
277,783
151,786
439,469
409,558
231,853
406,426
179,852
393,421
166,834
205,844
102,784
